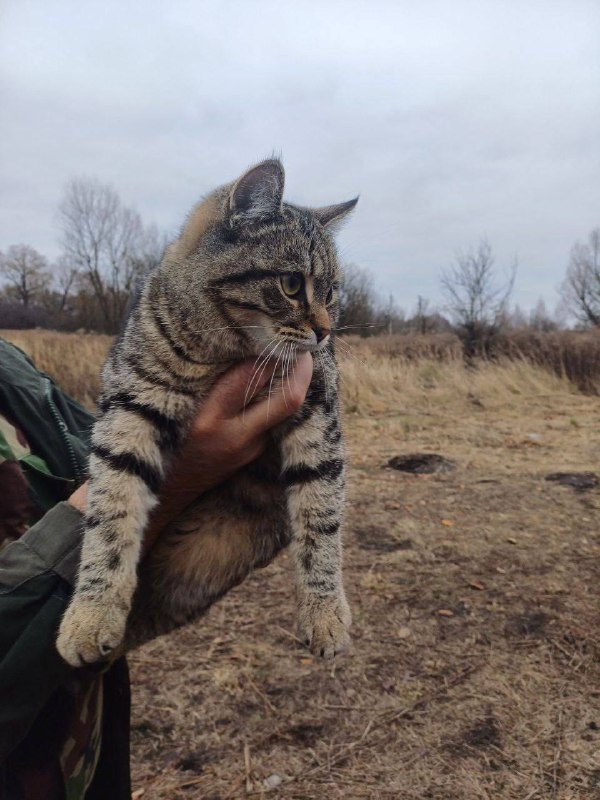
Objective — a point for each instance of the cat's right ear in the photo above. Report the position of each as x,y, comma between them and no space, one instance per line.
258,194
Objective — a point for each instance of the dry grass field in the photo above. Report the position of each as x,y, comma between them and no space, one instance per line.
475,665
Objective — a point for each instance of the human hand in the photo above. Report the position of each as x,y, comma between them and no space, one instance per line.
229,431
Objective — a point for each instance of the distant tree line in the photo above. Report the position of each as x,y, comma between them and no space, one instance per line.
105,248
477,301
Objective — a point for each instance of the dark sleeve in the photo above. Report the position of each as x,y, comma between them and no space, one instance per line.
37,574
36,578
57,428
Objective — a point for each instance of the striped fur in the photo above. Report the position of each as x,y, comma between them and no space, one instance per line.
217,297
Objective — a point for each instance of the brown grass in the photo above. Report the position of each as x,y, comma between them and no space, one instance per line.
574,355
376,372
474,669
408,347
72,359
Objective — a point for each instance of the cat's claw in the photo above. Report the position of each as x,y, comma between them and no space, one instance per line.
324,626
89,633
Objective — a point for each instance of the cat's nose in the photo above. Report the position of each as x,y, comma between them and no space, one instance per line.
321,333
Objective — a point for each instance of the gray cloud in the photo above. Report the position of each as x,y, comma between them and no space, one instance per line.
452,120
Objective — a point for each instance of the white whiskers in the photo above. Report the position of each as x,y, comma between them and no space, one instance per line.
362,325
271,385
229,328
322,354
286,351
254,379
348,353
291,364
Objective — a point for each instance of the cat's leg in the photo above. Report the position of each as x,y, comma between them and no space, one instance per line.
126,465
313,471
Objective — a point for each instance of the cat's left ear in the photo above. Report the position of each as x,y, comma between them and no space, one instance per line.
334,216
258,194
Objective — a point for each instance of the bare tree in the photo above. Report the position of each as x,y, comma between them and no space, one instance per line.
106,243
540,319
419,322
517,319
65,275
358,301
426,319
389,318
581,287
26,272
151,249
476,301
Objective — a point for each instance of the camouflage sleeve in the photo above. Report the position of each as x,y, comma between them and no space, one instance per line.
36,577
18,508
28,487
52,545
62,733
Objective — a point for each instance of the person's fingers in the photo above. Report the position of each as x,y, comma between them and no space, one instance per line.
237,387
79,498
283,402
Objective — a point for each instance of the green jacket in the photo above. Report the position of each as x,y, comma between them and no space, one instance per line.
64,733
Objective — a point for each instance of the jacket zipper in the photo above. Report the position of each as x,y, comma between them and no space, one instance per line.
62,428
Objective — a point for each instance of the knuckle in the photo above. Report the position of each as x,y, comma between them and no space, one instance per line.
295,399
204,424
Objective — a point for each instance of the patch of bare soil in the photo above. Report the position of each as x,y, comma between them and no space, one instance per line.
474,669
581,481
421,463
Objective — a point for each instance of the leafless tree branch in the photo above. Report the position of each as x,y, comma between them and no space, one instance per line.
476,301
581,287
106,244
26,272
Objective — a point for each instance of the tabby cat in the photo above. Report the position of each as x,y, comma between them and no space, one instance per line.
249,276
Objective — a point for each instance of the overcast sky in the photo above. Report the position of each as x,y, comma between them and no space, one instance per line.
453,120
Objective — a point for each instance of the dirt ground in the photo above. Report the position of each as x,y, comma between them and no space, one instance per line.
474,669
475,664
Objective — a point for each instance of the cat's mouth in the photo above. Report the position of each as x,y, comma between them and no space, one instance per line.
308,343
290,340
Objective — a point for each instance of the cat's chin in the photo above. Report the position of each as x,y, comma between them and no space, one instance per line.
313,347
310,345
307,346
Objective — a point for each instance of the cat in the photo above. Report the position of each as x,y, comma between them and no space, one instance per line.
249,276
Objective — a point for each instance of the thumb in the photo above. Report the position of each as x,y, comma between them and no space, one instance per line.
288,398
237,387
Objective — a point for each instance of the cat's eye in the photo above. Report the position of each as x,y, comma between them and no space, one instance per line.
329,297
291,284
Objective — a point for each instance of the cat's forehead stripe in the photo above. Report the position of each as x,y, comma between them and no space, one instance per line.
252,274
321,260
317,265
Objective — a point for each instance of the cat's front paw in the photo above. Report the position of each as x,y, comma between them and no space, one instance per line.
90,632
324,625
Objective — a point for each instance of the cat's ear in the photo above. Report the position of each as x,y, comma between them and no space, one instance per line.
333,216
258,194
